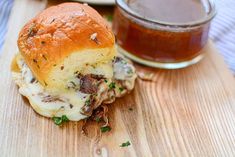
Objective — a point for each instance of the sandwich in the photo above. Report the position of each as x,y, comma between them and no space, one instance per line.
67,63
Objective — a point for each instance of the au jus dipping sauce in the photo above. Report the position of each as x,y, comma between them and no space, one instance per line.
162,31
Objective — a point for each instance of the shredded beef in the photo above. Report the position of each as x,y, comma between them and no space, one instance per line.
97,77
88,84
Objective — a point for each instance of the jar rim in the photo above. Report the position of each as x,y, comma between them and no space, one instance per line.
210,15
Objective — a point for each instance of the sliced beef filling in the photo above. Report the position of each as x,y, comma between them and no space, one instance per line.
106,91
89,91
88,84
103,95
92,84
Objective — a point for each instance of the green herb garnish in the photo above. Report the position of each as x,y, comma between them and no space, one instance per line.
130,71
105,81
112,85
125,144
109,18
65,118
105,129
97,119
121,89
123,62
88,102
60,120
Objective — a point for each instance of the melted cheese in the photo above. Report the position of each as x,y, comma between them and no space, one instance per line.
71,103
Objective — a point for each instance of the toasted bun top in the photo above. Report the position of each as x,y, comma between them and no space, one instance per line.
65,34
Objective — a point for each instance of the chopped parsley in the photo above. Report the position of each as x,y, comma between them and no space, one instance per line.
105,81
65,118
129,71
112,85
126,144
105,128
60,120
123,62
109,18
88,102
97,119
121,89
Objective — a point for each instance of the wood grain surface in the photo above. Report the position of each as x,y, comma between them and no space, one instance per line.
186,112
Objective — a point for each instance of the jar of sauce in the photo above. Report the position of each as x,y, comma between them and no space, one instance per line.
163,33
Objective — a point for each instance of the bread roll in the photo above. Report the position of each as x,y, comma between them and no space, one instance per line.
65,39
67,65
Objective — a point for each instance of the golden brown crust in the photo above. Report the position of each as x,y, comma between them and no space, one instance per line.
57,32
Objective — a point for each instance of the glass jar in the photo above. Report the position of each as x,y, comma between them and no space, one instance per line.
159,43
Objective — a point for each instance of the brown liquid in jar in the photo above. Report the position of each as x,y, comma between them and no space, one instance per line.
157,44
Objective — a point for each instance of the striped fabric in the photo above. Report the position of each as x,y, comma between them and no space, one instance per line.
5,9
222,29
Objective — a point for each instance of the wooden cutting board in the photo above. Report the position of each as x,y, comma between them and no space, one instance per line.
186,112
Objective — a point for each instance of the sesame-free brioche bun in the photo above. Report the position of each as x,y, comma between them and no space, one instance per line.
66,39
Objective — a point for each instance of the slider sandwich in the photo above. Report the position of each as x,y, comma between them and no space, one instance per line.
67,63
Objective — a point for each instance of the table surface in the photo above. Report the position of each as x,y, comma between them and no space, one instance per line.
186,112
